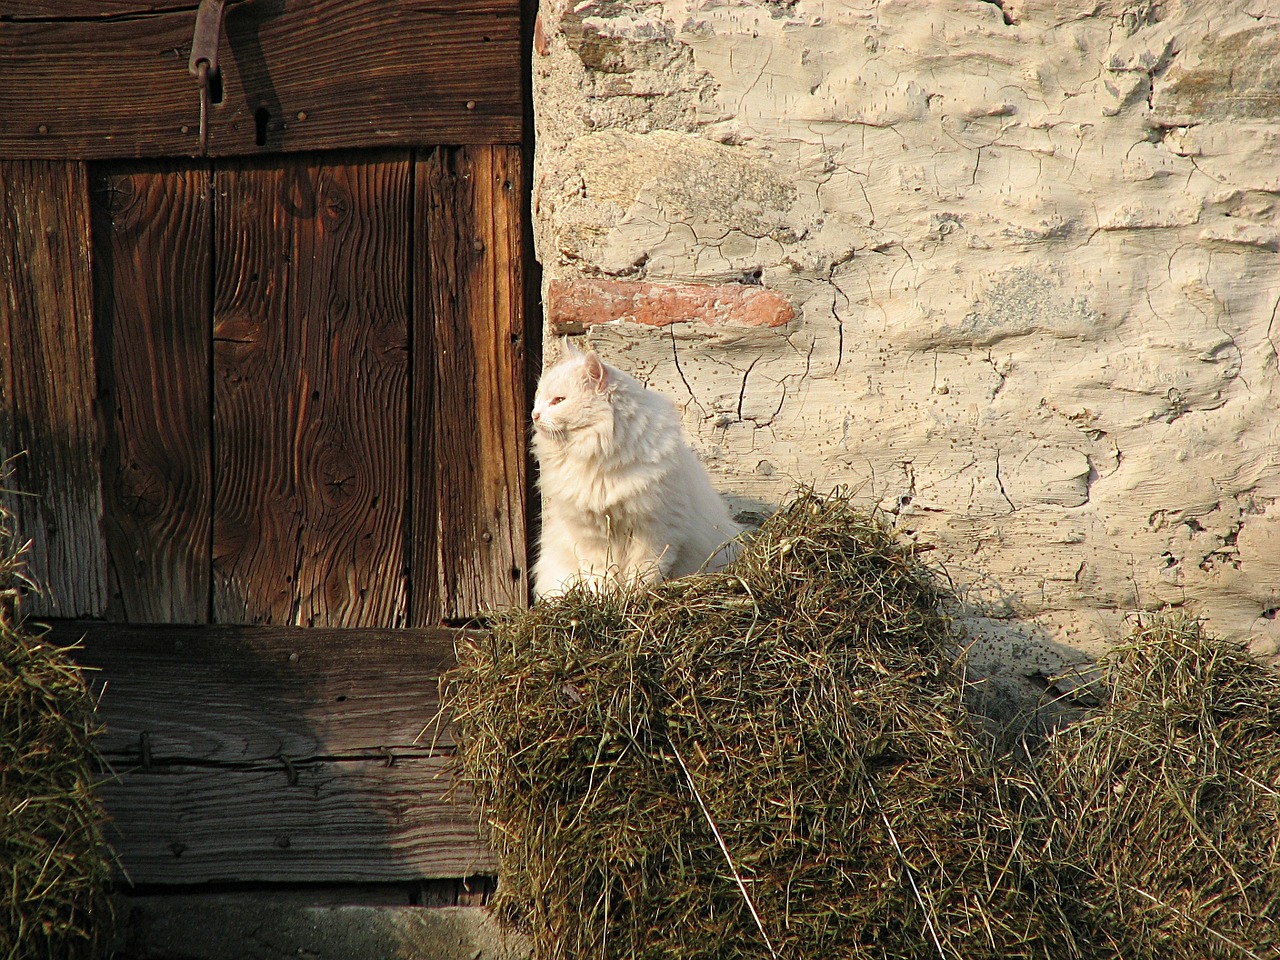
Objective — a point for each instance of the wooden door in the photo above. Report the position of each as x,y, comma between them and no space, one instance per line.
270,403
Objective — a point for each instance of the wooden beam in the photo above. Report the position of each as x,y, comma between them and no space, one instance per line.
182,694
472,231
152,226
296,75
48,383
282,754
87,9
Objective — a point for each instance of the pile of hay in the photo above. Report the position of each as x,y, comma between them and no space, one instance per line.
770,761
54,864
1165,804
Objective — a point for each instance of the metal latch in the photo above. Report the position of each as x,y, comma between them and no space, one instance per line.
204,59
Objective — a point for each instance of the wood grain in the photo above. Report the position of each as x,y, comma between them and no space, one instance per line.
296,75
323,821
47,383
247,694
311,391
152,228
473,236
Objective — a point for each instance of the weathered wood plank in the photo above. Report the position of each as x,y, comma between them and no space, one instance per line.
474,237
151,227
247,694
296,75
322,821
277,753
311,391
47,384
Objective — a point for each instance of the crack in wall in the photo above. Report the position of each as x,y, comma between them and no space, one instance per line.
675,356
743,392
1000,484
1271,323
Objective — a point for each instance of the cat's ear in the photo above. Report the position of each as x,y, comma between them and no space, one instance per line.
597,374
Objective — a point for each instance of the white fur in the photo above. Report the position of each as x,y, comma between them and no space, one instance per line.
624,498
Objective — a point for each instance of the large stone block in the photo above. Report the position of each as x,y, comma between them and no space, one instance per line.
1226,74
610,197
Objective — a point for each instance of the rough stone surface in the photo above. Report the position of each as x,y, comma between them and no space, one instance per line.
628,204
198,928
1221,74
1032,251
573,306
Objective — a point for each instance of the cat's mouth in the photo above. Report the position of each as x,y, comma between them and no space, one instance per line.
549,430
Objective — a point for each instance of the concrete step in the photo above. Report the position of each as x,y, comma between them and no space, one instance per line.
214,928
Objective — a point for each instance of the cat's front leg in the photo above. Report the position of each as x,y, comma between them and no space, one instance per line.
649,560
555,571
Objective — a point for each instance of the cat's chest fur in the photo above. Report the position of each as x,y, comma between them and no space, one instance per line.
609,489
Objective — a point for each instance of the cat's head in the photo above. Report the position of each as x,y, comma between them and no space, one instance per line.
574,399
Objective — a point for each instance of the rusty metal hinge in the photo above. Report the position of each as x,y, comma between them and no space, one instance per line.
204,59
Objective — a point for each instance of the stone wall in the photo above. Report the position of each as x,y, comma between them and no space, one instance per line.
1008,269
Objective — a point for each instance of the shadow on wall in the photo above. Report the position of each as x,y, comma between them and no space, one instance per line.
1020,680
1023,683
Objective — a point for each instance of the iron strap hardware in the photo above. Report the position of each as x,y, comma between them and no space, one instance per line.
204,59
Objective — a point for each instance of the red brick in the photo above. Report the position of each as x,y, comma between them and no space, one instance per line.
575,305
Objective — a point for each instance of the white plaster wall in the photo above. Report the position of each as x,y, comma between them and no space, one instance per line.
1032,251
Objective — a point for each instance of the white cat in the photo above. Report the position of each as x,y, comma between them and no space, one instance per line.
624,498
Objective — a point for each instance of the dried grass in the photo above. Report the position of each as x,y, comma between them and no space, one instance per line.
54,863
770,761
1164,806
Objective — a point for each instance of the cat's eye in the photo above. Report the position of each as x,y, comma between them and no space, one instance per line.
555,400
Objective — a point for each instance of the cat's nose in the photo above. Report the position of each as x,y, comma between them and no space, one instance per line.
537,415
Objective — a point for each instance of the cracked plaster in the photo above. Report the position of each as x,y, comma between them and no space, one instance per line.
1032,247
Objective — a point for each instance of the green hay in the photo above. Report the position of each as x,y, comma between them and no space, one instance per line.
54,864
772,760
1165,804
